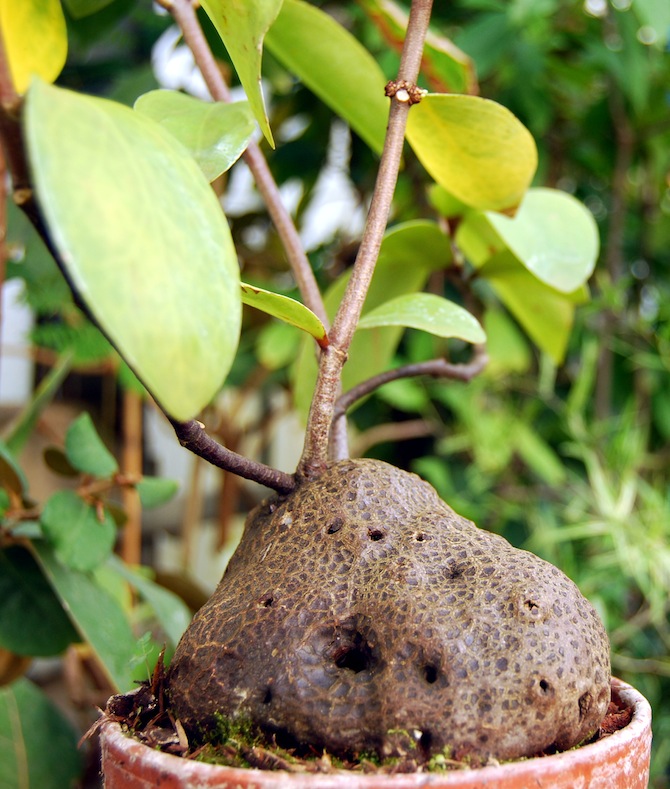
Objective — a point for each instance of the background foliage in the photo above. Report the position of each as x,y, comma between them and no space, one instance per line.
570,459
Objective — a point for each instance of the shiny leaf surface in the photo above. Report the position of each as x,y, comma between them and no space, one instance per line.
35,40
426,312
242,27
216,134
143,239
334,65
475,148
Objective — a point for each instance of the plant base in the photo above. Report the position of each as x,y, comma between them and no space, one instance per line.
617,761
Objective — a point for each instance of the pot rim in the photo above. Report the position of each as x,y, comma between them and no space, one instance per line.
619,742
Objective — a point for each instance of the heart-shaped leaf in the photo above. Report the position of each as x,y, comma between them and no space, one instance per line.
286,309
32,619
81,540
334,65
143,239
85,450
35,40
242,27
429,313
154,491
553,235
475,148
216,134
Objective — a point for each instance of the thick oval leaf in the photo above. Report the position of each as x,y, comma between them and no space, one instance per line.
426,312
334,66
286,309
545,314
554,236
35,40
475,148
216,134
98,618
38,745
80,539
154,491
143,239
242,27
85,450
32,619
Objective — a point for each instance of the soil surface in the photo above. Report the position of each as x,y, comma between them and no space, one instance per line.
144,714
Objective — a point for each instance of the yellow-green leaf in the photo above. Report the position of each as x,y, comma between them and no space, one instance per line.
286,309
216,134
143,239
35,39
475,148
426,312
334,65
242,27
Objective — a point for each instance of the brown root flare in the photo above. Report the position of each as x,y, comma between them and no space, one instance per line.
360,613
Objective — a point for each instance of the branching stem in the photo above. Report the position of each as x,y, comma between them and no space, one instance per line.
315,453
192,435
186,18
436,368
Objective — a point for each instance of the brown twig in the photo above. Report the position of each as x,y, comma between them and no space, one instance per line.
192,435
185,16
315,453
436,368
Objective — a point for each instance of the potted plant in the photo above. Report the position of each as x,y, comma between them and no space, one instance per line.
360,616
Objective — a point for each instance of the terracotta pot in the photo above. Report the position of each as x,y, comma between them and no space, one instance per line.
617,761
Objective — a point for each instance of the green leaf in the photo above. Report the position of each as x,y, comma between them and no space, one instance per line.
537,454
85,450
409,252
475,148
35,40
286,309
506,347
426,312
97,617
545,314
216,134
172,613
553,235
32,619
21,427
277,345
334,66
80,539
154,491
446,68
12,477
38,744
143,239
81,8
57,461
242,27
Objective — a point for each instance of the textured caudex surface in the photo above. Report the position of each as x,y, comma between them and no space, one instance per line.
361,613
